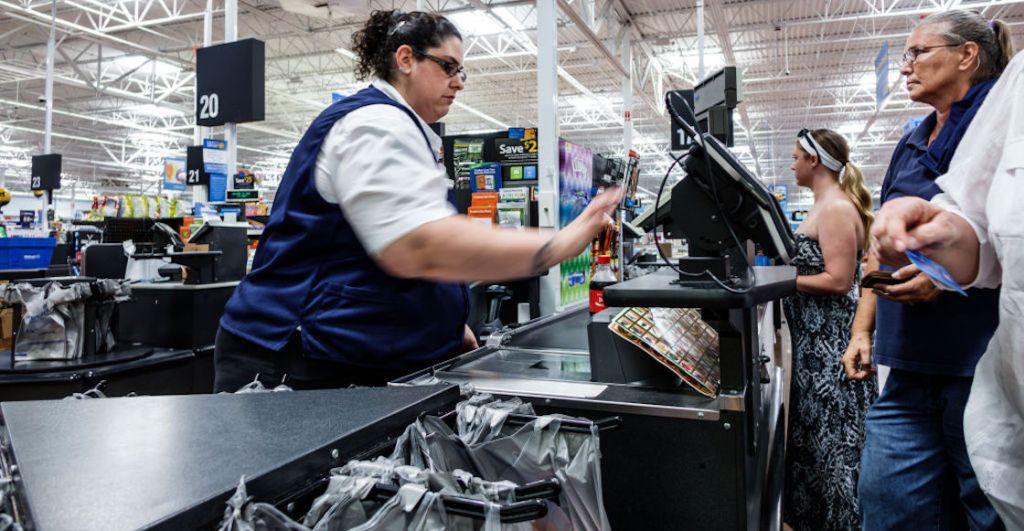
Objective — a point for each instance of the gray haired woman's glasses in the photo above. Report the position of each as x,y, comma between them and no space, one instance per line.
911,55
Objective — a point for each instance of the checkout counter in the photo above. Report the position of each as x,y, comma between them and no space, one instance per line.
184,310
680,460
164,333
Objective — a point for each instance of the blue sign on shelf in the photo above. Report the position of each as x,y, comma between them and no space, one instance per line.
215,155
882,75
218,187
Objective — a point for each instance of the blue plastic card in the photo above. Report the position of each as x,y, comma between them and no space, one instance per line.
935,271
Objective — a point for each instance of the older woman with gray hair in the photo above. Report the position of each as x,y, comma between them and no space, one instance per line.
915,472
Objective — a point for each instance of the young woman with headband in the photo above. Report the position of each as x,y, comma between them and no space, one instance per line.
826,411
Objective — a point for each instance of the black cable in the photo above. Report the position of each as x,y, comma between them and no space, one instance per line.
725,219
714,190
661,253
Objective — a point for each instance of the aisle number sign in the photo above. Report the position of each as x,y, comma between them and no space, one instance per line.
678,139
230,83
195,172
45,172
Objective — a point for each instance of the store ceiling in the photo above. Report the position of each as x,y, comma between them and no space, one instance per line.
124,76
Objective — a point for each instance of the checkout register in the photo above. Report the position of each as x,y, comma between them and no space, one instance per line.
683,459
183,308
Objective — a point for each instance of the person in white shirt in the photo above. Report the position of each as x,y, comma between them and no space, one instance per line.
975,228
358,277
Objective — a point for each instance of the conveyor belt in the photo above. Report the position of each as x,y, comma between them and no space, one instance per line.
568,332
171,462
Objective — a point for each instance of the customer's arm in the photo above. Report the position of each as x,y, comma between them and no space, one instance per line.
913,223
857,359
837,236
457,249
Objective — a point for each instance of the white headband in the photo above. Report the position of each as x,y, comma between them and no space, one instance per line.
812,147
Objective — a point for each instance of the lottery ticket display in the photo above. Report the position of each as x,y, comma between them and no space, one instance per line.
678,339
575,180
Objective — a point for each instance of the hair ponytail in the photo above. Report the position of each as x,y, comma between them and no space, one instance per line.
1004,42
853,186
369,43
375,43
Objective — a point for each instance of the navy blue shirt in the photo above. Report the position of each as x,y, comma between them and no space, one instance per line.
948,335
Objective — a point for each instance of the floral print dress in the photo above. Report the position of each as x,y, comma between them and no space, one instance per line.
827,411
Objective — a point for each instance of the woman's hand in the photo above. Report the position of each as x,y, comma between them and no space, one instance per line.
857,359
576,236
919,288
592,220
469,340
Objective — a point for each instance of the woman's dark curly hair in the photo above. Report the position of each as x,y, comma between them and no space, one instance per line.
385,31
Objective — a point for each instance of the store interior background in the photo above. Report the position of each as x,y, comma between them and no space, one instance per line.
124,104
124,79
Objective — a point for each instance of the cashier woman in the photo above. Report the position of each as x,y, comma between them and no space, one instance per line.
359,274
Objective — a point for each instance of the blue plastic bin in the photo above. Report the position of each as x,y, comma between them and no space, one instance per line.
26,253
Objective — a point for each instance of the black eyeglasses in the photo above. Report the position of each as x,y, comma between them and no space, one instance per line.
911,55
450,67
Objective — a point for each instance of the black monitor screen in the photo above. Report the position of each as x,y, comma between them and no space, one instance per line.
751,211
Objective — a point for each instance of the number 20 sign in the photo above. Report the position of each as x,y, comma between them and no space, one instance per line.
230,83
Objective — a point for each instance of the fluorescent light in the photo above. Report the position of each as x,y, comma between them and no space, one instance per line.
130,62
148,138
510,19
849,129
347,53
476,23
713,61
156,111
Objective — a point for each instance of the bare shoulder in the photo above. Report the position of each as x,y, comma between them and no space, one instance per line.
839,210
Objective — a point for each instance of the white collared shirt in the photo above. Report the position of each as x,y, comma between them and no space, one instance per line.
375,164
985,185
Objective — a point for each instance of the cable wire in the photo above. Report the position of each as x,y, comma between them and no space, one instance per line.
722,284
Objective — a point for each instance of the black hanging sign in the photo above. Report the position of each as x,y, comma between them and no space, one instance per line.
230,82
195,174
45,172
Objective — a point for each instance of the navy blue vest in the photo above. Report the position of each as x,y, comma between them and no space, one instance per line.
311,271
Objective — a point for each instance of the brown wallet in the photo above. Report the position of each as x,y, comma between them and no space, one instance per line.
880,278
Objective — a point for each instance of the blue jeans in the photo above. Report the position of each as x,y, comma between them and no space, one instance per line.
915,473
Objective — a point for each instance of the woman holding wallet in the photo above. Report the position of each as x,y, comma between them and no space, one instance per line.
826,410
915,470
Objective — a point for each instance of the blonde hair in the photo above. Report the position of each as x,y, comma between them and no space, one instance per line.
852,182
